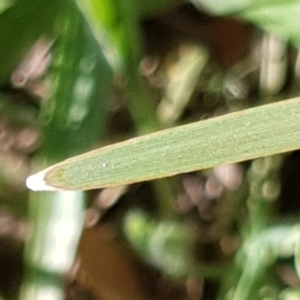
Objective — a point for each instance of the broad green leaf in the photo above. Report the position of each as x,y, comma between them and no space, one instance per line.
280,17
235,137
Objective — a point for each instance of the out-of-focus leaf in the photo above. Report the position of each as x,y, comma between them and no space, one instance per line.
116,24
16,112
170,249
20,27
290,294
258,253
138,227
72,121
57,220
279,17
74,117
297,252
221,7
5,4
152,7
165,244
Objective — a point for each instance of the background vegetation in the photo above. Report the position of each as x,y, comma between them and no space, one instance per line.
78,75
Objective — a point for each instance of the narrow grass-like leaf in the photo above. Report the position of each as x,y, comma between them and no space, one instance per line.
235,137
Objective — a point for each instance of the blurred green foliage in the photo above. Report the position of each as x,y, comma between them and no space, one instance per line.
95,44
72,121
82,82
20,27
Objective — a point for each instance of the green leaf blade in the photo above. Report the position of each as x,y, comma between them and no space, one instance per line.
235,137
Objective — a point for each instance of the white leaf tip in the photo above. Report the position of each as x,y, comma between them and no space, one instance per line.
36,182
